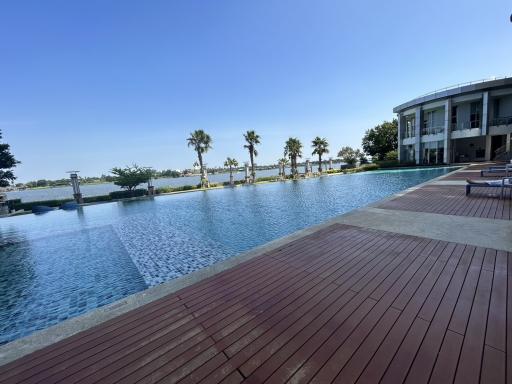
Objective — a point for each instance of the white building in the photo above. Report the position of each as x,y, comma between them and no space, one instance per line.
468,122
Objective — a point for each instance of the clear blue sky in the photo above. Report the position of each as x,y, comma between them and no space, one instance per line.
90,85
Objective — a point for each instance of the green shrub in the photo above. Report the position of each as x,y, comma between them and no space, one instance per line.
331,171
12,203
94,199
369,167
235,182
170,189
353,170
391,155
267,178
49,203
184,188
163,190
125,194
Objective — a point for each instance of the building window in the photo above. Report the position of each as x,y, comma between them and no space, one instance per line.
428,122
409,127
475,115
454,115
496,108
432,152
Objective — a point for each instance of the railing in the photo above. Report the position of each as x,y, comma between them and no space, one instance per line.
409,135
463,85
501,121
432,130
465,125
501,154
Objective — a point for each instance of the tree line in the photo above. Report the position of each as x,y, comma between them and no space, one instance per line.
380,143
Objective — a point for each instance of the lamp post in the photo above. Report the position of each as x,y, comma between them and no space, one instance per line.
77,195
308,167
151,187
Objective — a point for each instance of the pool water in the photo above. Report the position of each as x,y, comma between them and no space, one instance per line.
64,263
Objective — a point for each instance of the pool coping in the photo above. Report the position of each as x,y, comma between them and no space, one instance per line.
45,337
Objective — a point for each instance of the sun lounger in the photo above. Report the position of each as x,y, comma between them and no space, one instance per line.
504,183
506,169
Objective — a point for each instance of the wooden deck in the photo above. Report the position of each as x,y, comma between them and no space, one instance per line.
451,200
343,305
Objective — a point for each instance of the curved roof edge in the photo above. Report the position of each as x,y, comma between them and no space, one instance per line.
474,86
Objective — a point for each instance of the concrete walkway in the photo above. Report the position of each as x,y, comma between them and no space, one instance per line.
488,233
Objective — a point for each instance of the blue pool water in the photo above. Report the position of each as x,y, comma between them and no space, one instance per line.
62,264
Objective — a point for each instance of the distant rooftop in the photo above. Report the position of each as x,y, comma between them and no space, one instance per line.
457,89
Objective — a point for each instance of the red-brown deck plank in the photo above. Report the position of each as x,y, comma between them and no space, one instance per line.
468,370
428,350
493,366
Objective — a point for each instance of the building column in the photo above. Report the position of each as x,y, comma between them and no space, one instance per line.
507,143
487,147
485,112
400,127
417,134
447,130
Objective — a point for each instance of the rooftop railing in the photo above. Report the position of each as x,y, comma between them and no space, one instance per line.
460,85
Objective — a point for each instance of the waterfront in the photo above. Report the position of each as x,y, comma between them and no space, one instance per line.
58,193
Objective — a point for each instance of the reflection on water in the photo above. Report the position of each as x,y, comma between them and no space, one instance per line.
64,263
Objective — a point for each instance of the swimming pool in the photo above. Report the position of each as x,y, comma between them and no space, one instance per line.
64,263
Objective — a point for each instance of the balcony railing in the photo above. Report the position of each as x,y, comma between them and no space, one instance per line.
501,121
459,126
432,130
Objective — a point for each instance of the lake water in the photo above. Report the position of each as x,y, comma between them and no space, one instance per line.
64,263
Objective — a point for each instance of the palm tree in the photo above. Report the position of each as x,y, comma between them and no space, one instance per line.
293,149
202,142
231,163
283,162
320,147
252,139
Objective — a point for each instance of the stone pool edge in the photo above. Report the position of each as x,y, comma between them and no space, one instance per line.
45,337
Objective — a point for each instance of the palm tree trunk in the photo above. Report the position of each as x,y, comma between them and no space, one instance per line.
253,174
230,175
200,158
320,163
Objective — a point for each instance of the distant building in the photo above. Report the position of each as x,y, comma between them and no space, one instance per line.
468,122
